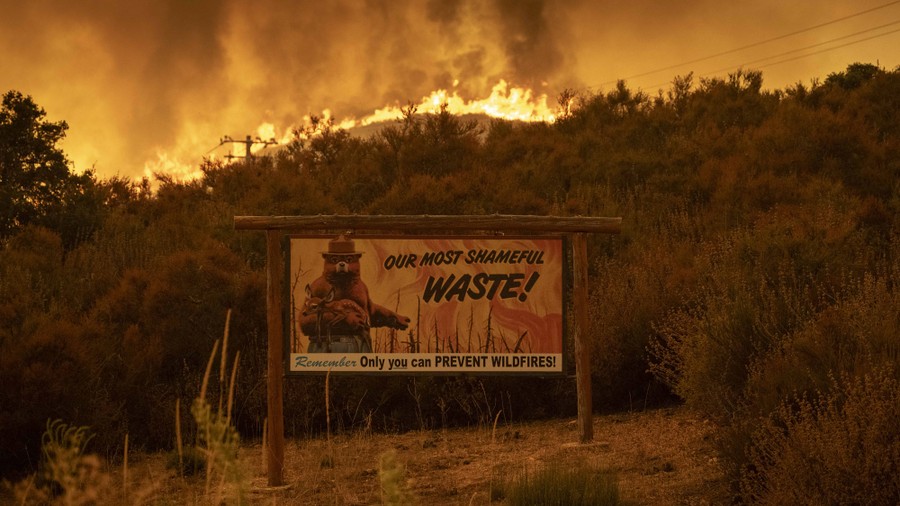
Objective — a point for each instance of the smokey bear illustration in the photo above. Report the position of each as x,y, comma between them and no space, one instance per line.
338,312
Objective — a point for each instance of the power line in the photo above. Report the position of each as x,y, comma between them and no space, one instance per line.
798,57
249,142
754,44
830,48
813,46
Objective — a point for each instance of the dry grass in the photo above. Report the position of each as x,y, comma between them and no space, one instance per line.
662,456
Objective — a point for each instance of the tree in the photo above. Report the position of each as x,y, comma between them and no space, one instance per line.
855,75
34,173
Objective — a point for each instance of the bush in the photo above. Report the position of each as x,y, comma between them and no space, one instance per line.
760,356
839,447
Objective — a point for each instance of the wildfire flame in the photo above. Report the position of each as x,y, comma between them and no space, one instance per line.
504,102
170,166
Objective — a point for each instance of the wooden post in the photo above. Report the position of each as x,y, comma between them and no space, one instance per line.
582,346
275,355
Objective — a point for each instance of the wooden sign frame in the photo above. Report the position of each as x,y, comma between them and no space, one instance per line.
277,226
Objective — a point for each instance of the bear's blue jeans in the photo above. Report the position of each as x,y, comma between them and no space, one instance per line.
340,344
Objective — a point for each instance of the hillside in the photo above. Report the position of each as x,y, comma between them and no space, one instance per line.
755,278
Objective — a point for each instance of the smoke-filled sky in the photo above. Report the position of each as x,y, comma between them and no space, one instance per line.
141,80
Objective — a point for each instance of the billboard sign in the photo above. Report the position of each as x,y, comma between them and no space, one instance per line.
415,304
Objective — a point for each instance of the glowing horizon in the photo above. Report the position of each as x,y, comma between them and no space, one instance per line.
162,82
504,102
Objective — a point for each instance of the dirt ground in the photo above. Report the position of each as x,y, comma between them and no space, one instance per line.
659,457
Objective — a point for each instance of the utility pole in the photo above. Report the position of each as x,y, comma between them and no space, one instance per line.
248,143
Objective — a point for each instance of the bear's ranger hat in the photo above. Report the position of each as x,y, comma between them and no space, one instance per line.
340,245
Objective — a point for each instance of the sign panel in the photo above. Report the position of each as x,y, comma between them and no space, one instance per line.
413,304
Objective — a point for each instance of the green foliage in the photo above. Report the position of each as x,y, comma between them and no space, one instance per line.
67,474
392,477
219,442
36,185
217,439
33,171
558,483
854,77
62,448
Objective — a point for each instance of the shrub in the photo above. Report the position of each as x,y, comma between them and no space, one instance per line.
67,475
839,447
625,298
704,351
63,448
760,356
392,476
47,374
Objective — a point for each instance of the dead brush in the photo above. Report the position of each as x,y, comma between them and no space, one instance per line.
840,446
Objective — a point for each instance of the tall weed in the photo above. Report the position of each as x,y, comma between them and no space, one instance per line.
67,475
217,438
